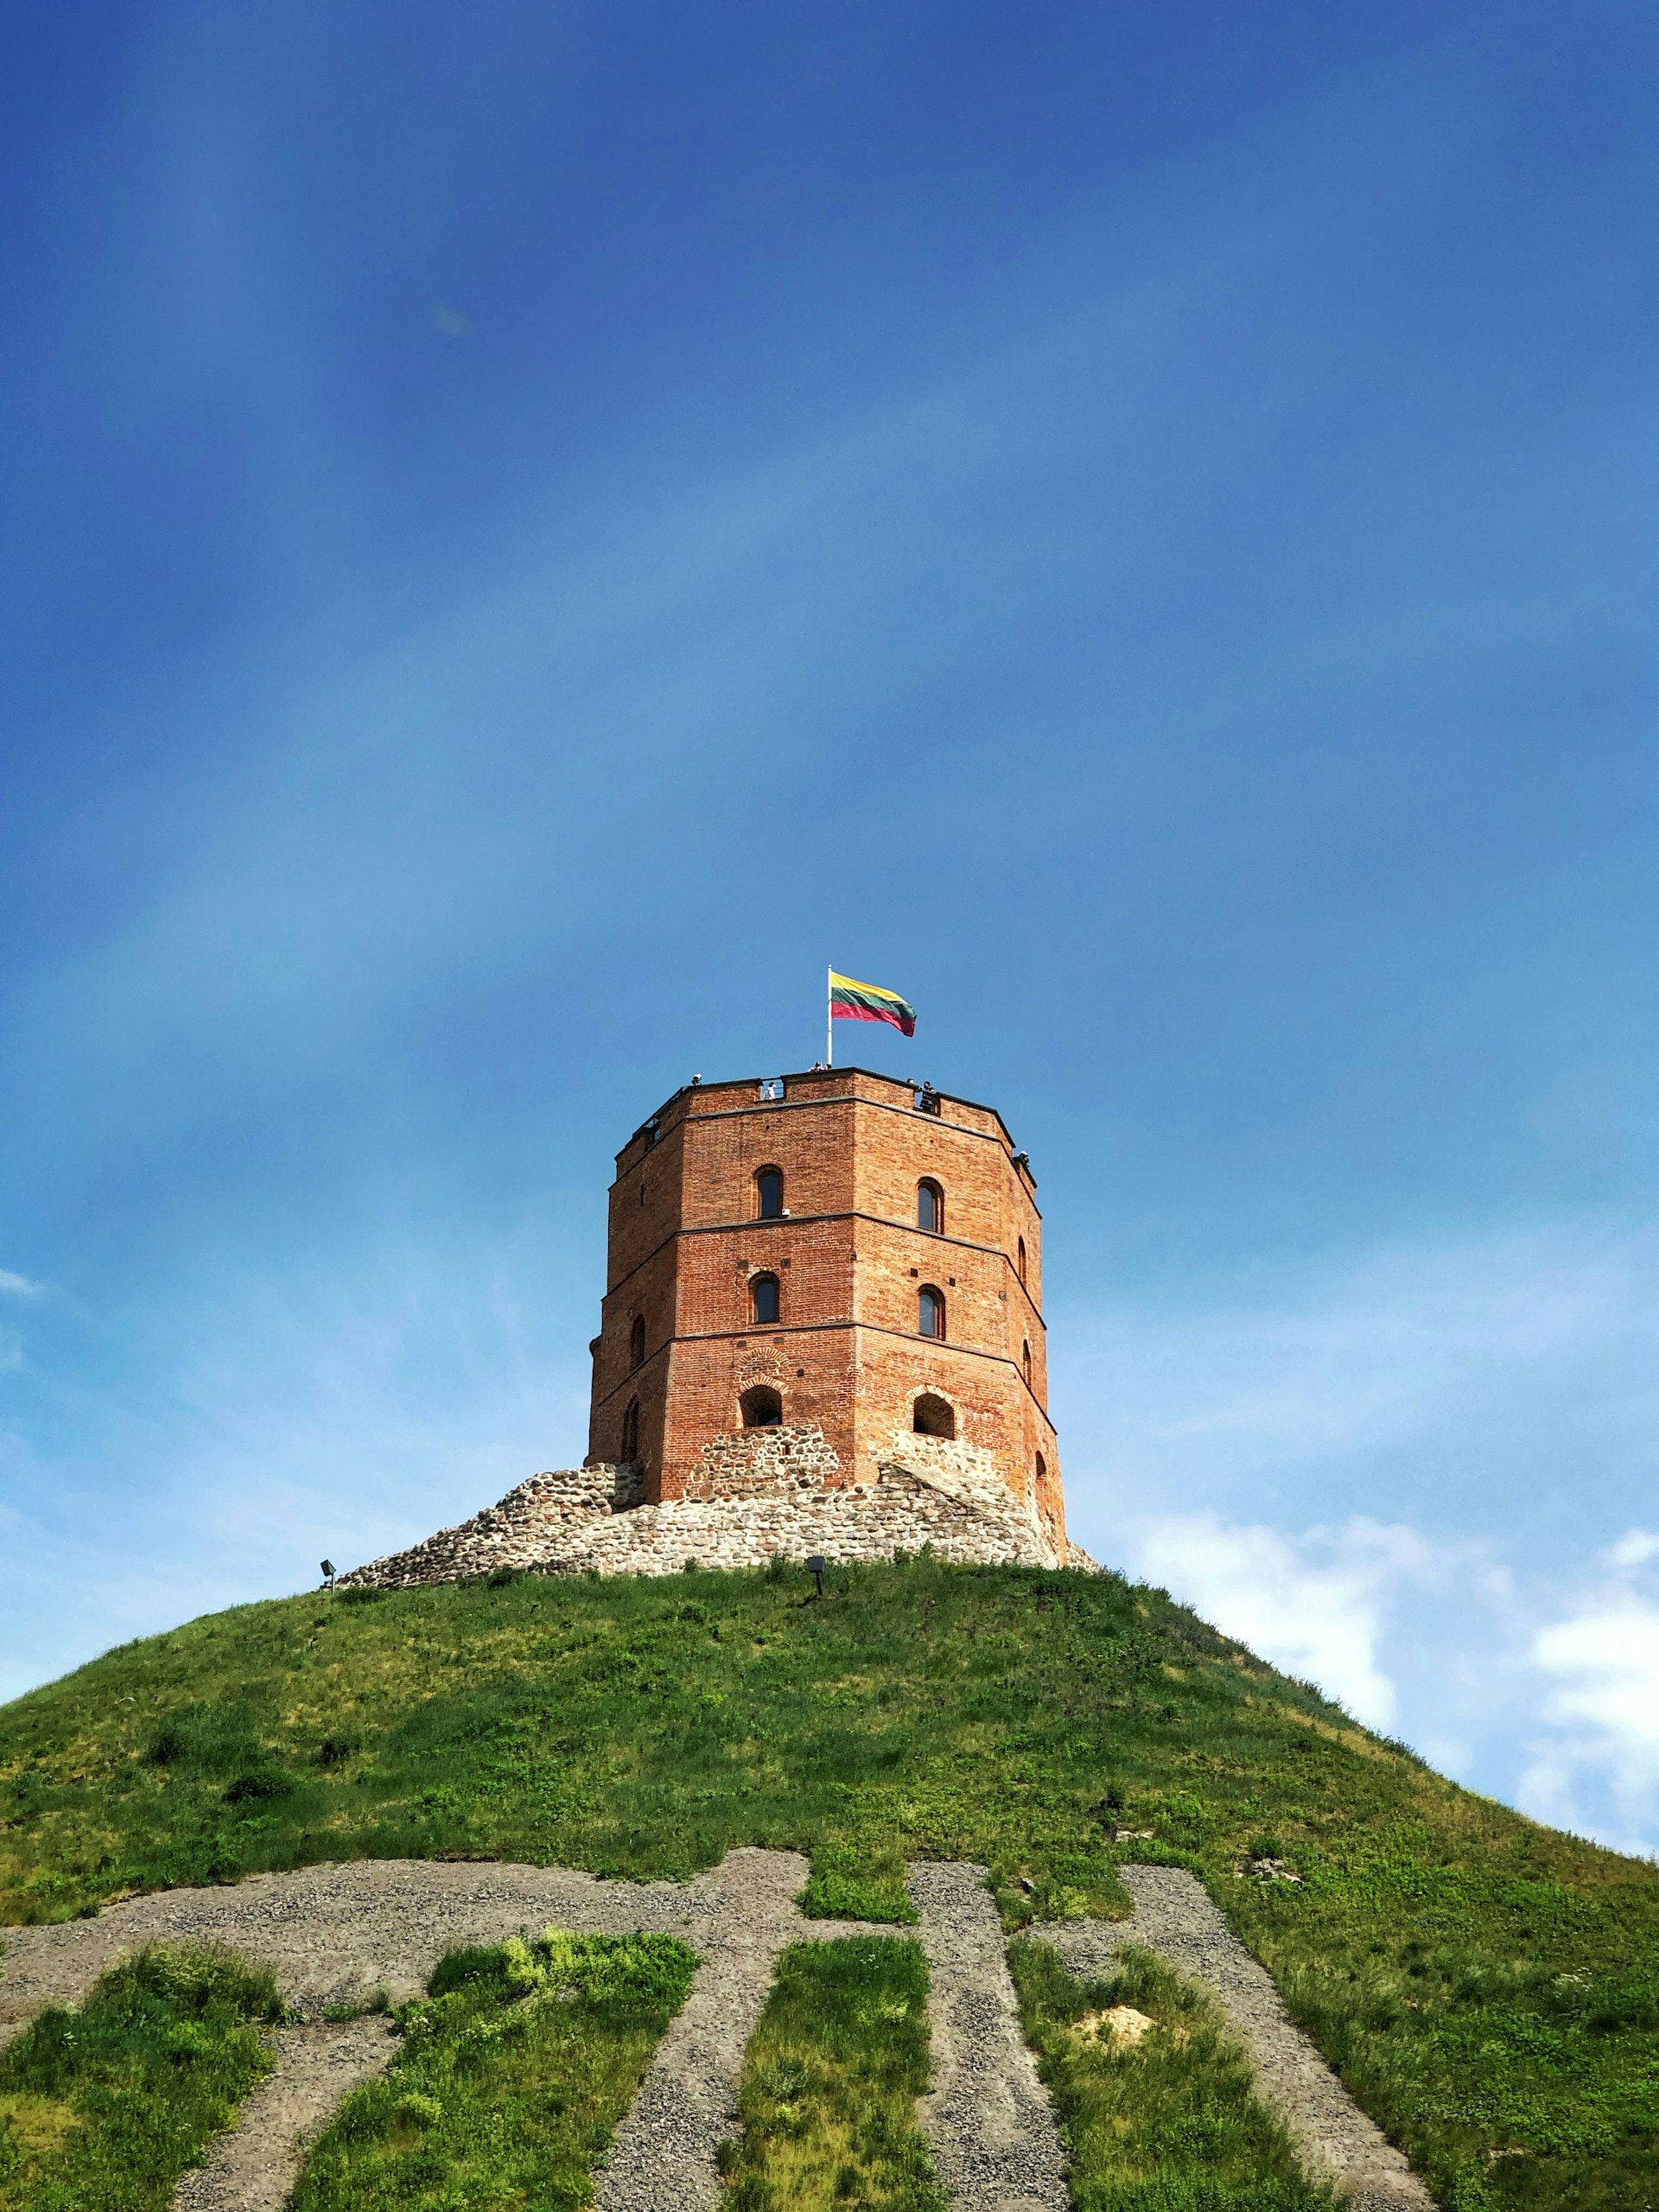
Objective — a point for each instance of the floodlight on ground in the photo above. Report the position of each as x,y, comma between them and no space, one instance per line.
815,1567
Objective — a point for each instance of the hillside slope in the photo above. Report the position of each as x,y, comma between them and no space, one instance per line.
1487,1987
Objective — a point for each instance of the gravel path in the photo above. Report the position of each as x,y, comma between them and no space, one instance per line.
1334,2139
663,2159
987,2116
253,2166
334,1935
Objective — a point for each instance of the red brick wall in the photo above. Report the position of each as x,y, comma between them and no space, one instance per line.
845,1352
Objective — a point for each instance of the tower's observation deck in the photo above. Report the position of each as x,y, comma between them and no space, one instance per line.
834,1255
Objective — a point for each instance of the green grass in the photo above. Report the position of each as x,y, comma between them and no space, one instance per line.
850,1882
512,2075
101,2110
1168,2123
1486,1985
827,2106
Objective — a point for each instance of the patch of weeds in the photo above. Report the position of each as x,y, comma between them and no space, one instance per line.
1071,1886
828,2100
849,1884
359,2008
103,2109
511,2077
1152,2095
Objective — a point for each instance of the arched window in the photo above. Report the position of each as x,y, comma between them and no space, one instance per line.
763,1297
637,1341
1025,1361
1020,1257
930,1207
631,1431
933,1416
930,1311
1042,1468
769,1193
761,1407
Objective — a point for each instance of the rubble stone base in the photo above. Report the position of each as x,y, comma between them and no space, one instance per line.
771,1494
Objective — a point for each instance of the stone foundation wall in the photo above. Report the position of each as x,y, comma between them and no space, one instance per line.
533,1521
775,1502
758,1462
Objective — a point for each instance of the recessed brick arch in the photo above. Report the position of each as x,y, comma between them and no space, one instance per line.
932,1415
761,1406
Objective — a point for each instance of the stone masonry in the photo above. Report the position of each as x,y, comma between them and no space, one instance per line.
761,1494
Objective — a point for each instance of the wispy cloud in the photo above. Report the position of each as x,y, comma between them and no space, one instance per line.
1427,1372
302,1419
13,1286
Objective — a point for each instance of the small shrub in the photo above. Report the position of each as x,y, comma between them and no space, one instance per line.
259,1786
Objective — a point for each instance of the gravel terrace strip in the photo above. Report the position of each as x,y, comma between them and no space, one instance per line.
1335,2142
254,2165
664,2158
335,1935
987,2116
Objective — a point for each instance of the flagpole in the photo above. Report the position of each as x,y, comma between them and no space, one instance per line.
829,1018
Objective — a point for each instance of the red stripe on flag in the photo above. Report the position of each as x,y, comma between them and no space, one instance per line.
869,1014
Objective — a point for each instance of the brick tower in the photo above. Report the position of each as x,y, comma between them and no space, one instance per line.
829,1273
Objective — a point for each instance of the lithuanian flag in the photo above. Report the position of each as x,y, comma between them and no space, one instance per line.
851,1001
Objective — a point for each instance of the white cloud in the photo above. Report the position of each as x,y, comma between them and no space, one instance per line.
13,1286
1403,1475
1314,1604
1602,1711
1634,1548
1608,1662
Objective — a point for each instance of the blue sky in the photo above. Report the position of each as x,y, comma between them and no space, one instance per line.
532,530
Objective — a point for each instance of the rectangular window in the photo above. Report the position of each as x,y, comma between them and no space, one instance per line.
772,1087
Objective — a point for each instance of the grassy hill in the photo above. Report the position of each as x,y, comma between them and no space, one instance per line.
1489,1989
